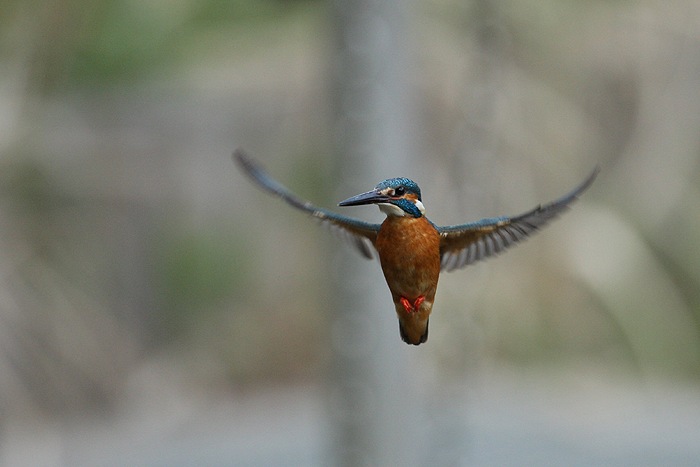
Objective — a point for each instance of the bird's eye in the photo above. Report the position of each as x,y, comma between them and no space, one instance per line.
399,191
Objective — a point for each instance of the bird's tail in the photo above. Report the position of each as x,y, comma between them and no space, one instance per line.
414,330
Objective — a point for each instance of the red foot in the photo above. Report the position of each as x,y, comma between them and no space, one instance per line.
419,301
411,307
406,304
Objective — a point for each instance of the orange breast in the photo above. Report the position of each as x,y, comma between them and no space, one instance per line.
409,252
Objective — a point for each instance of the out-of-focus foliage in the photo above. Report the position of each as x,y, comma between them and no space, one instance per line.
77,44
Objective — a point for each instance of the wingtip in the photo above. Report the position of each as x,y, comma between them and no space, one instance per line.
588,181
241,157
250,166
594,173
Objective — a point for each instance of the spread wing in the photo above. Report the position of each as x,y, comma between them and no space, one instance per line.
358,233
461,245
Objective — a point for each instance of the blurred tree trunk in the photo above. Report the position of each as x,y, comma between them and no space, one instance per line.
374,408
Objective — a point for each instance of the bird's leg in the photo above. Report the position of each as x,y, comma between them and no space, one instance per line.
411,307
418,302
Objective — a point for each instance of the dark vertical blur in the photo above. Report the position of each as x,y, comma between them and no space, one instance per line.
373,405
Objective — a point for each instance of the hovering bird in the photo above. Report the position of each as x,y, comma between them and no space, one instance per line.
411,249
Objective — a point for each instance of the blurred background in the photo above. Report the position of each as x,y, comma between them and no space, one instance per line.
157,309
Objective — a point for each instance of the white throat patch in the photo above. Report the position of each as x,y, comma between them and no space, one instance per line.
391,210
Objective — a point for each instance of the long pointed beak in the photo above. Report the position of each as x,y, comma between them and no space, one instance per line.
371,197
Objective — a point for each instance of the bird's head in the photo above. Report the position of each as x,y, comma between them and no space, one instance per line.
395,197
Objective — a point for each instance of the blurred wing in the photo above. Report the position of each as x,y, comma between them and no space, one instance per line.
461,245
358,233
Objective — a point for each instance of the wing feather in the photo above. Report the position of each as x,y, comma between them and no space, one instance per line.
361,235
461,245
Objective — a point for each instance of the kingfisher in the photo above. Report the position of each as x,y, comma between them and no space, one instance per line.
412,250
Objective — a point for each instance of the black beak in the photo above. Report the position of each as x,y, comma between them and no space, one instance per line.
371,197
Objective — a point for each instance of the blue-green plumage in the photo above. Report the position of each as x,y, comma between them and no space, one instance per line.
401,192
412,250
408,207
407,184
